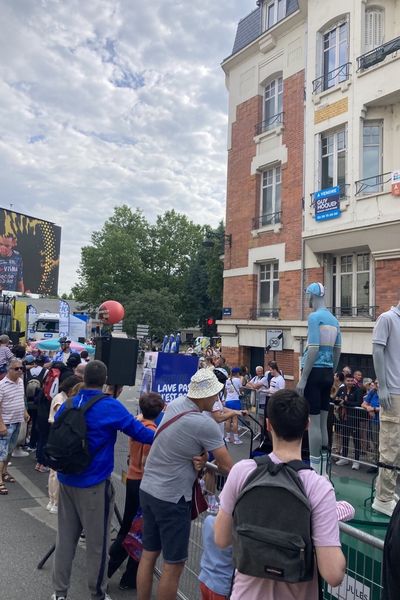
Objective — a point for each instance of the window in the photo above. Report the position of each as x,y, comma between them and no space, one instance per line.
273,100
372,154
333,159
351,284
374,28
269,290
335,56
46,326
276,10
270,197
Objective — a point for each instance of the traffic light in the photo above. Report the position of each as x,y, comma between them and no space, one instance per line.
210,321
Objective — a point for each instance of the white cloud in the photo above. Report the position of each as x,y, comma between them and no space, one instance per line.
113,101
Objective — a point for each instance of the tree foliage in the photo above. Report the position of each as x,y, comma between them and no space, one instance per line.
161,273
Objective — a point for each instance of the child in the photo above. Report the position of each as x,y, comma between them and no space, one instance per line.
216,566
68,388
151,405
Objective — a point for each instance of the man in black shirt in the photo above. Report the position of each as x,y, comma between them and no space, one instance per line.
349,397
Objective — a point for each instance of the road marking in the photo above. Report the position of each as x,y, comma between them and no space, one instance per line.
39,513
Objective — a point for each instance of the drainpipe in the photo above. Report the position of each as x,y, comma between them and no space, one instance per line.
304,201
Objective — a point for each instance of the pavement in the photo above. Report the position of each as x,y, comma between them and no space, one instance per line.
28,530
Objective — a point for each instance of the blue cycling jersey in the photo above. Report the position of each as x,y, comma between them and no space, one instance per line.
11,271
323,332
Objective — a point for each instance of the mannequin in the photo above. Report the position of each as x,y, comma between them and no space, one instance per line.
319,363
386,355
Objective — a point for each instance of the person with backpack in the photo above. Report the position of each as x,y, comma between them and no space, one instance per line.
34,376
81,448
281,516
67,389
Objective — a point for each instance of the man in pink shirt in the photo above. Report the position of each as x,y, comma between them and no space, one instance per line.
287,420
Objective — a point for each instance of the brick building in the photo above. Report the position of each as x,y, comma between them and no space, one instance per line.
314,106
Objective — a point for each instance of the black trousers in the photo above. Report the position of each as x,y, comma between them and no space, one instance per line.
351,427
117,552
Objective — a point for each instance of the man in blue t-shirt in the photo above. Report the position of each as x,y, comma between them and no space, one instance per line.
11,265
319,363
86,501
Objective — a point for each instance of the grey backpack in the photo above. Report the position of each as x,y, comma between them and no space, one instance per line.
272,524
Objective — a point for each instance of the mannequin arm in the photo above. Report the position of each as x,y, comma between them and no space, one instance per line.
378,354
312,354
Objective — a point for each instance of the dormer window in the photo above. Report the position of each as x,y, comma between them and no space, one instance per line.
276,10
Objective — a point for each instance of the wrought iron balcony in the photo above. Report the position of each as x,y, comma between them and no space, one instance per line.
362,311
256,313
332,78
378,55
269,123
371,185
265,220
344,192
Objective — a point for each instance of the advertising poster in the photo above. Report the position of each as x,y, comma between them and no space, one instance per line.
168,374
29,254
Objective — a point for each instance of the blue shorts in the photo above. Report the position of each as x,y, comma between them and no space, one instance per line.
166,527
233,404
9,441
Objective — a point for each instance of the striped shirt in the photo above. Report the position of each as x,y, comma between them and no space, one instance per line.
12,401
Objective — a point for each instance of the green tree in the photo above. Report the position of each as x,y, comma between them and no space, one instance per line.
156,308
114,265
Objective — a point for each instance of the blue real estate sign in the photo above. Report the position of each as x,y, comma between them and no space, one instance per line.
327,204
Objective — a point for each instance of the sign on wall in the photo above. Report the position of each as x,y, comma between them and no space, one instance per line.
274,341
327,204
396,183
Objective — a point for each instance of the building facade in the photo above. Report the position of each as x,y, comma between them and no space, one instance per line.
314,113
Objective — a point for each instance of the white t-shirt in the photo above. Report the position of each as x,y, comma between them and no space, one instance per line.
218,407
276,383
232,387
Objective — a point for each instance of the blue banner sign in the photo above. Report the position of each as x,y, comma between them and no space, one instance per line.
327,204
168,374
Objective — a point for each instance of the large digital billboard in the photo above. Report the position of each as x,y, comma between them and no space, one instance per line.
29,254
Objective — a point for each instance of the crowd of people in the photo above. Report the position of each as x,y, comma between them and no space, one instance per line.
169,447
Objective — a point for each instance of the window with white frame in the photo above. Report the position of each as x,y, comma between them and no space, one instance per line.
276,11
273,103
335,56
374,28
351,279
269,290
333,153
270,197
372,155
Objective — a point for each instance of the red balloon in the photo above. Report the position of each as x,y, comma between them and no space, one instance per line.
111,312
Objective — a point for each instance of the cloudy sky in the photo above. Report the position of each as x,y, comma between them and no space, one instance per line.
105,102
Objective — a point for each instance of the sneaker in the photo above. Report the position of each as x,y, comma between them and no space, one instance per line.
19,453
107,597
227,438
54,509
237,441
50,504
43,469
355,466
342,461
385,508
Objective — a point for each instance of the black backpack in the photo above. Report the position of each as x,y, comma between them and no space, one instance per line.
33,388
272,524
67,449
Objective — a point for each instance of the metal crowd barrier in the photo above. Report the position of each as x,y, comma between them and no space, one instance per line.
355,436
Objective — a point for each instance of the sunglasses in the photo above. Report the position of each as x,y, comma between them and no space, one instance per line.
18,369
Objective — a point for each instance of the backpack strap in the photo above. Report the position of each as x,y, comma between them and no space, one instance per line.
295,465
175,418
298,465
70,402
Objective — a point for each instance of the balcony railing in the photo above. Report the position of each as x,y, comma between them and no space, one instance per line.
371,185
265,220
271,313
332,78
344,192
378,55
269,123
362,311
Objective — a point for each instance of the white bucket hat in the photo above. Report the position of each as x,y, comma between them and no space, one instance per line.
204,384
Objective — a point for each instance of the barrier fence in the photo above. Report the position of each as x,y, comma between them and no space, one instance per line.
354,435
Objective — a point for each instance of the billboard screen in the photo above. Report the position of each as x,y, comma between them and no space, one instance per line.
29,254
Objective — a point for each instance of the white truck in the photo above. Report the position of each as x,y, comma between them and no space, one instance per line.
46,326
